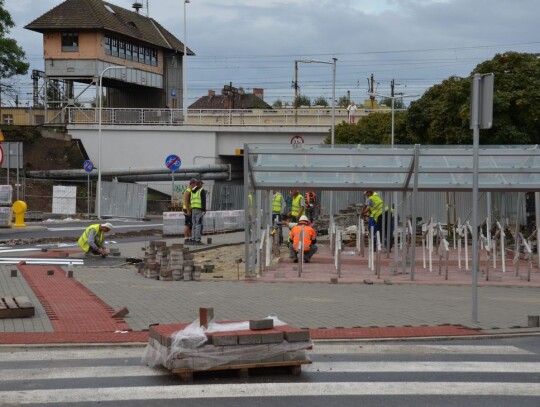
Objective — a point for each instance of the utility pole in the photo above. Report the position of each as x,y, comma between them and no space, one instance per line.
371,83
295,86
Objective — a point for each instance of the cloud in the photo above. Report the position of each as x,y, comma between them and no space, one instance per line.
254,43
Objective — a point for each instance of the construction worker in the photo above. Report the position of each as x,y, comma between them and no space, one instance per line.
373,208
197,209
92,242
298,206
312,205
309,242
188,225
378,212
278,208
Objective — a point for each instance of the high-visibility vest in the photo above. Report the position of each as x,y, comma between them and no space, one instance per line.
295,209
83,240
195,201
276,203
377,208
309,235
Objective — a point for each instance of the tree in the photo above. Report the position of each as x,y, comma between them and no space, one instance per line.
375,128
278,103
303,100
320,101
11,55
442,114
398,103
343,101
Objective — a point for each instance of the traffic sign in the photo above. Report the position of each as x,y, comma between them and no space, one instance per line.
173,162
297,141
88,166
1,155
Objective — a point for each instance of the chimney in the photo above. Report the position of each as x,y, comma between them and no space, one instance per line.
259,92
211,93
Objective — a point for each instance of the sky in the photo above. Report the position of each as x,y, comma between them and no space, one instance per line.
254,43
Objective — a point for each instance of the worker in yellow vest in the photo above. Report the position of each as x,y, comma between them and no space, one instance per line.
197,210
278,209
188,225
298,205
92,240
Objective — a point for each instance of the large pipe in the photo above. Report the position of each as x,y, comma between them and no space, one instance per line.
216,176
71,174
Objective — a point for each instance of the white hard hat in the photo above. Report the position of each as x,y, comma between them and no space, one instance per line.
303,218
107,225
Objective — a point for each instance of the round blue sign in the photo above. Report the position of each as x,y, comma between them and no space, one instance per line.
173,162
88,166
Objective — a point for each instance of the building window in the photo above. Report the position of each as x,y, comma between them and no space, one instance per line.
70,41
114,47
130,51
108,45
122,49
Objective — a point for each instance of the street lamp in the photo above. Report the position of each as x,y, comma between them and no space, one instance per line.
100,109
184,68
333,127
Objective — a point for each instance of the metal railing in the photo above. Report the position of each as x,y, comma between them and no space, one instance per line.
312,116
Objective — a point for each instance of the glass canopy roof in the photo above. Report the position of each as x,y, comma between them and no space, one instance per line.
392,168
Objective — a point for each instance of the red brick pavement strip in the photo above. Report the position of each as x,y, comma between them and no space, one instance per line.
51,338
78,316
71,306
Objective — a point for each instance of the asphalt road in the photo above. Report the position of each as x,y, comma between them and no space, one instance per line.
445,373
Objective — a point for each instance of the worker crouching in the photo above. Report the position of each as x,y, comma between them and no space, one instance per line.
92,240
309,242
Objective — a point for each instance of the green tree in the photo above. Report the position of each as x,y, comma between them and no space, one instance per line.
343,101
442,114
303,100
11,55
398,103
278,103
320,101
375,128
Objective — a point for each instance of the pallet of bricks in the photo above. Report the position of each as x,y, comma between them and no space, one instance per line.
174,263
205,345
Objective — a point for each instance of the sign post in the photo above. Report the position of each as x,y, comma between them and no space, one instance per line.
173,162
481,118
88,167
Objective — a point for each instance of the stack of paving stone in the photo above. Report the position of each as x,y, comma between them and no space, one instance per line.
259,343
172,263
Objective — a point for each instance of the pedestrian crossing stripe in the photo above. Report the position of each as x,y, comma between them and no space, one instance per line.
318,367
325,389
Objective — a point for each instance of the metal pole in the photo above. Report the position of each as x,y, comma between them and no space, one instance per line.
333,128
184,68
100,108
476,137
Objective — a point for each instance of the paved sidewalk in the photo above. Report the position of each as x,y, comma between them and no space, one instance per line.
347,310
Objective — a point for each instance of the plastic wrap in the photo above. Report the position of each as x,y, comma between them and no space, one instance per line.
188,349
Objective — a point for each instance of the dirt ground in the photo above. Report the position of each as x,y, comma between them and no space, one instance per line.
228,263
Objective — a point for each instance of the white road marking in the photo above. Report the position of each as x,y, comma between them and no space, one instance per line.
116,226
318,367
325,389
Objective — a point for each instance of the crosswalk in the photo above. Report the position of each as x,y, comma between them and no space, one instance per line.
360,373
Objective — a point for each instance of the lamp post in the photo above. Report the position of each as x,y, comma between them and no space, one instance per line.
333,126
100,109
184,68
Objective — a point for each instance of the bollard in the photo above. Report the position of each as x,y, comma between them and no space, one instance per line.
208,240
534,321
50,272
13,273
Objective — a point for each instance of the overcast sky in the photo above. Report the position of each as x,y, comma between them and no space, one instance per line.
254,43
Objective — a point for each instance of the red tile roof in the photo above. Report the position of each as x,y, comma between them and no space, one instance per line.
94,15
